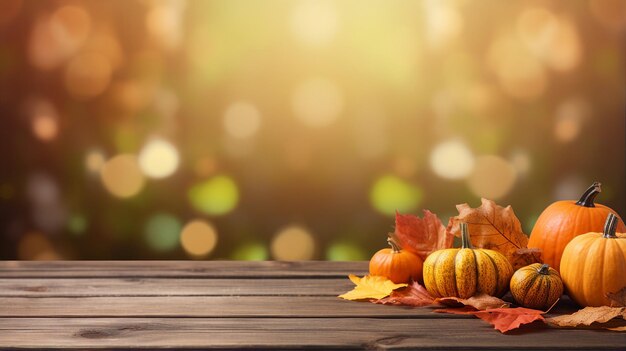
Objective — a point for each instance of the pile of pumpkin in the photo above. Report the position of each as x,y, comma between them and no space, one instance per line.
577,239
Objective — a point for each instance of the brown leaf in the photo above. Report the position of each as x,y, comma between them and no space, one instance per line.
413,295
479,302
588,316
497,228
422,236
502,319
618,298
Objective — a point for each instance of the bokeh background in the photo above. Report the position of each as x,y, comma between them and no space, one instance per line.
294,129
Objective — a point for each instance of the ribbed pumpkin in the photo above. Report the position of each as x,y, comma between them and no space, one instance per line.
397,265
536,286
563,220
594,264
466,272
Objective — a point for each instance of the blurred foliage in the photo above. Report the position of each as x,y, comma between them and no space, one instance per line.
230,129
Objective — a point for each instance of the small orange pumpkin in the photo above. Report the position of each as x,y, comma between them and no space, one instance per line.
594,264
397,265
560,222
536,286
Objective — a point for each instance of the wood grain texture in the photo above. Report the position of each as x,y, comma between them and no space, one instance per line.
180,269
235,305
68,287
271,333
206,306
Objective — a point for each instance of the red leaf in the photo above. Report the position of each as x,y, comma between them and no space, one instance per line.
413,295
503,319
422,236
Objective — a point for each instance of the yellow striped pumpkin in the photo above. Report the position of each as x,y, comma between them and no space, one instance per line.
466,272
536,286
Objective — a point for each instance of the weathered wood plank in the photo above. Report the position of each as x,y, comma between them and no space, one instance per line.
271,333
217,306
204,269
66,287
205,306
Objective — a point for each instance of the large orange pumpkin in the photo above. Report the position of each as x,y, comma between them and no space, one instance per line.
594,264
564,220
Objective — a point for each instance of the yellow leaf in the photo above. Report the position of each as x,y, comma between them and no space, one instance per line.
370,287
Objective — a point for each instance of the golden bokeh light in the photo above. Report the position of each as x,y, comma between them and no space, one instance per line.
570,116
198,238
521,74
390,194
94,160
58,36
521,161
158,158
314,22
163,23
317,102
242,120
444,22
88,75
106,44
452,160
493,177
293,243
45,127
122,176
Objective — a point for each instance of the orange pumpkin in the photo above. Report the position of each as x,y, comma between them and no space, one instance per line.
564,220
594,264
395,264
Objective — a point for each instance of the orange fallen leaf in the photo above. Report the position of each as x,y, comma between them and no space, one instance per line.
479,302
588,316
497,228
502,319
370,287
422,236
413,295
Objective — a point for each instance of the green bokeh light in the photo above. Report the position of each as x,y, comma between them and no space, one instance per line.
162,232
77,224
250,252
343,251
215,196
390,193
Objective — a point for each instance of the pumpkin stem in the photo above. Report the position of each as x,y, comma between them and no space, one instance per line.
610,226
589,195
392,240
544,269
466,243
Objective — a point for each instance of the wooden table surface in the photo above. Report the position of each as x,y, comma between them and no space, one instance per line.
216,304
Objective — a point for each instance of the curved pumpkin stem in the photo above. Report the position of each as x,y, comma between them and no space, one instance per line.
589,195
466,243
610,226
544,269
392,241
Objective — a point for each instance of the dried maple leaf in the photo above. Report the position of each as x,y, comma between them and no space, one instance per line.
588,316
422,236
502,319
413,295
370,287
479,302
497,228
618,298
